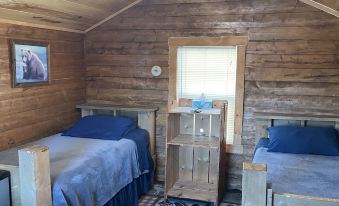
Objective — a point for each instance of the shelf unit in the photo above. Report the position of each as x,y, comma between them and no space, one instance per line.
194,148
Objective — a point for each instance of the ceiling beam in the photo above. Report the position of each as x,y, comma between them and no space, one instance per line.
322,7
113,15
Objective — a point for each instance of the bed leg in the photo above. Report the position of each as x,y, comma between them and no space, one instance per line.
35,180
269,200
254,184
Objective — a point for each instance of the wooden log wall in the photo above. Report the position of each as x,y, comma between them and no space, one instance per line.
292,59
33,112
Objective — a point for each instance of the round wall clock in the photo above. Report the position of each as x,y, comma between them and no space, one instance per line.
156,71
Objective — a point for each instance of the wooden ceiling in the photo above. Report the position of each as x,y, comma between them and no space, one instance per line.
78,16
329,6
81,16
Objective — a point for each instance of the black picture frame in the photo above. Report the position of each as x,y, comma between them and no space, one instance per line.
30,63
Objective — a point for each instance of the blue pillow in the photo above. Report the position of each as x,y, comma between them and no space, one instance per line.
101,127
303,140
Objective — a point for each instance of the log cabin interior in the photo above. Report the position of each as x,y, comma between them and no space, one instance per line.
168,102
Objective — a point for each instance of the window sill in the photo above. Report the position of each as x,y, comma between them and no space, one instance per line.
234,149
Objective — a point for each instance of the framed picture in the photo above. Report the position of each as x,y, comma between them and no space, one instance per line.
29,63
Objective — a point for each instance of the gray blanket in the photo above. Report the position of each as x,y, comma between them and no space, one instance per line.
85,172
313,175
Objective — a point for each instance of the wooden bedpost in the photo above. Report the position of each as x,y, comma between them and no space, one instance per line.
35,178
254,184
261,129
146,120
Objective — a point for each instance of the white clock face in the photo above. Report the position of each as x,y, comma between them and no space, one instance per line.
156,71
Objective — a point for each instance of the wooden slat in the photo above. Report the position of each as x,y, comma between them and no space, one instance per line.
321,46
131,47
215,127
126,60
300,200
293,88
203,41
191,190
113,107
239,95
201,162
188,110
206,7
123,72
293,103
185,131
202,125
218,22
205,142
129,83
172,168
185,163
311,61
119,96
293,116
214,167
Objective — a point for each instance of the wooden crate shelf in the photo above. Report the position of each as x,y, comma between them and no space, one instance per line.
194,190
194,154
195,141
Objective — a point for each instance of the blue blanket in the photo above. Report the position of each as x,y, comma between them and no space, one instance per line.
313,175
141,139
89,171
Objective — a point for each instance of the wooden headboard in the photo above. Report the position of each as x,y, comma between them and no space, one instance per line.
265,120
144,116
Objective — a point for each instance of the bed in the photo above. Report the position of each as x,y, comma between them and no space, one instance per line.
289,178
85,171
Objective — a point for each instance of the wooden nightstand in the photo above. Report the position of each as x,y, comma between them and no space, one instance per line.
194,154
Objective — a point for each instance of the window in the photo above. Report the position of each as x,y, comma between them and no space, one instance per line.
210,70
213,66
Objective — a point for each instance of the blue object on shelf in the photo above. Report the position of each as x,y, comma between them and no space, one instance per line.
201,103
197,104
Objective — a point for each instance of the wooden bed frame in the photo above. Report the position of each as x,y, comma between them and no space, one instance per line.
255,189
30,181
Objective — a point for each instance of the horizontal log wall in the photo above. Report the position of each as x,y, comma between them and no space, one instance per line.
33,112
292,59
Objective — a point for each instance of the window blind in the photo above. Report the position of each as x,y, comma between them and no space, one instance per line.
210,70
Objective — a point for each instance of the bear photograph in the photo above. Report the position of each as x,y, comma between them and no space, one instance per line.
30,63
